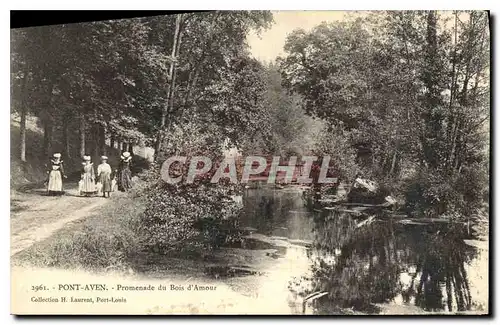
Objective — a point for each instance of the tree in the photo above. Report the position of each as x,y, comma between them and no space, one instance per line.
171,79
399,86
284,128
215,96
117,77
20,74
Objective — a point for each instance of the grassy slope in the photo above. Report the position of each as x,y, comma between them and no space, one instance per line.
33,173
102,240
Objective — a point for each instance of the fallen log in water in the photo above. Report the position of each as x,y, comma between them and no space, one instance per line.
218,271
368,205
342,210
300,242
354,209
328,201
422,221
389,215
247,230
311,297
365,222
403,218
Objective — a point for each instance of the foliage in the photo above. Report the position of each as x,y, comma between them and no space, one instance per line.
184,216
288,130
188,216
217,103
409,91
431,194
117,79
335,143
114,75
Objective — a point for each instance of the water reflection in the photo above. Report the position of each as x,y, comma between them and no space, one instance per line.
384,261
278,213
360,265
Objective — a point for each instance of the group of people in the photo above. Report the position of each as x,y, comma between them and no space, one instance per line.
103,180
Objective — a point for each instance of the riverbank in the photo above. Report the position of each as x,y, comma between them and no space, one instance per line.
256,274
279,246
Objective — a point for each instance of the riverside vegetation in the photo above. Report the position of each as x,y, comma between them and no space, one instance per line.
401,96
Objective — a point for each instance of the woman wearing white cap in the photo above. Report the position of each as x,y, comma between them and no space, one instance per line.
124,173
104,176
55,175
88,177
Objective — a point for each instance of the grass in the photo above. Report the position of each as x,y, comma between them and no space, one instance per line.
32,171
105,240
110,239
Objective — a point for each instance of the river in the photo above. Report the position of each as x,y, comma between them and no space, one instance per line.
285,253
380,267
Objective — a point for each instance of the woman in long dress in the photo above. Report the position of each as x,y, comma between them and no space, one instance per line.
88,177
104,176
55,176
124,172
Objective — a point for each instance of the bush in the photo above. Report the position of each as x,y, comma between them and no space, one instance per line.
433,193
189,216
186,217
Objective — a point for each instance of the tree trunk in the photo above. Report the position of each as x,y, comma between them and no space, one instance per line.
393,163
200,62
432,119
171,76
158,143
102,140
95,136
66,138
124,146
174,73
451,114
112,141
82,135
22,131
47,137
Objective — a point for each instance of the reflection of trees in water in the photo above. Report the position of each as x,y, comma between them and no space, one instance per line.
440,280
362,266
265,208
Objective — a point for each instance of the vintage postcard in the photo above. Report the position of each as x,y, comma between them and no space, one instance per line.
252,162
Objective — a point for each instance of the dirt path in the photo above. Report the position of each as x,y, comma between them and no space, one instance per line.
35,216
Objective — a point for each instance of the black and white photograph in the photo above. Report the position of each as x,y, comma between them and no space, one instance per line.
251,163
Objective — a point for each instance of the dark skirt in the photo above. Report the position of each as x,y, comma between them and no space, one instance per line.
124,180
